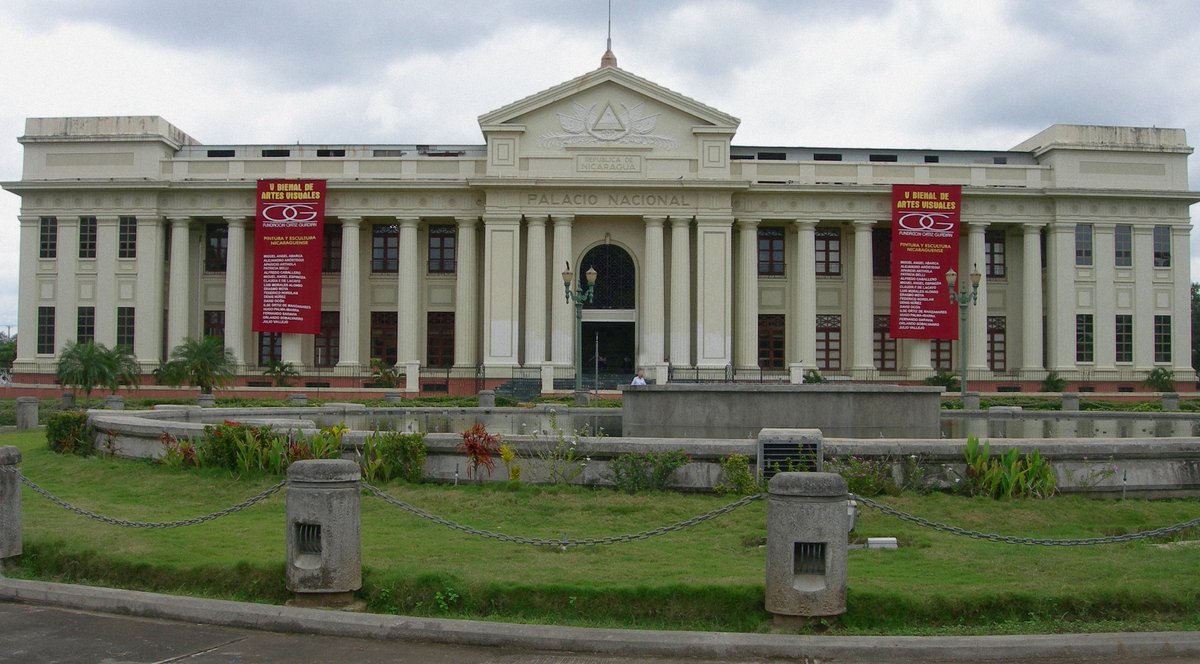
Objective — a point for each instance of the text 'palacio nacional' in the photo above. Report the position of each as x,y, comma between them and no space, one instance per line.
713,260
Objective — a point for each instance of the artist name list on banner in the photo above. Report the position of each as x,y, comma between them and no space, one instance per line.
925,225
290,224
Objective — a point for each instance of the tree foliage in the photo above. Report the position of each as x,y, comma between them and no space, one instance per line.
206,363
88,366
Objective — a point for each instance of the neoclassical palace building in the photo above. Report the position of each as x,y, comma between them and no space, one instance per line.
713,260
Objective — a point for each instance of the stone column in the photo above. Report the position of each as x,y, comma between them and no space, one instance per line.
179,291
1060,304
106,290
804,299
1031,300
714,237
562,337
535,291
920,363
409,320
235,290
745,303
1144,303
66,289
501,289
349,315
652,311
681,292
977,312
863,334
1181,317
466,295
148,294
1104,328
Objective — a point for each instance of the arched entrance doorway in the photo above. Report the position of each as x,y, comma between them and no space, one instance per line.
609,333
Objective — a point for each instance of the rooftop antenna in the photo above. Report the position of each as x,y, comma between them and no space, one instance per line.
609,60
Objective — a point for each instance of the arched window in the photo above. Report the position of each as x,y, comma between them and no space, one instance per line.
615,285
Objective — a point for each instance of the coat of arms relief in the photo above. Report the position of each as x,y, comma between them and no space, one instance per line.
587,127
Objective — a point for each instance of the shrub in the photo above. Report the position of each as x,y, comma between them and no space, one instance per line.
736,478
480,448
864,477
1009,475
646,471
1053,383
812,376
563,457
403,455
1160,379
946,380
247,448
68,432
508,454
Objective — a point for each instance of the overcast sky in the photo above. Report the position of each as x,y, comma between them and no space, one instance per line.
951,74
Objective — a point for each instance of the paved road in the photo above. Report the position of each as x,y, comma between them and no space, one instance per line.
42,635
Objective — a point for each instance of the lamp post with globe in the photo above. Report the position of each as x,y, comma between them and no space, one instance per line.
579,296
963,299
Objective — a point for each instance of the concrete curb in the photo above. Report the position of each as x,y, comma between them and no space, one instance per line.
1126,646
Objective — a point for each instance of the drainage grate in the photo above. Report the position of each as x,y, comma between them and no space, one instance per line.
308,538
789,456
809,558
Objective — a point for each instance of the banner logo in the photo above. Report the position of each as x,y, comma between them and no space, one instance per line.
282,213
937,222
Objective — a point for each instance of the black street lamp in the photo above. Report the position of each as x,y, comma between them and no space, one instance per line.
963,299
580,297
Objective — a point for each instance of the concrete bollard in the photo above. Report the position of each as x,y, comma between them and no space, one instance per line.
68,400
298,399
10,503
393,397
1170,401
806,547
114,402
971,401
27,412
206,400
1070,401
324,533
487,398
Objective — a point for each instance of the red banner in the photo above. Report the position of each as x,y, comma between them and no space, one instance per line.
287,245
925,220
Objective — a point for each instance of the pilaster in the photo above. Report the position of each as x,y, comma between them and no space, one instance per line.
714,237
466,295
681,292
501,289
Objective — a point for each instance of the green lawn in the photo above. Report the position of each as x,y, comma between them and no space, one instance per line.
707,577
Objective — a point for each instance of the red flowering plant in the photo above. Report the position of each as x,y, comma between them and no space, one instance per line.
480,448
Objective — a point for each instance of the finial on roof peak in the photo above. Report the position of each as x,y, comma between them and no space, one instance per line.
608,59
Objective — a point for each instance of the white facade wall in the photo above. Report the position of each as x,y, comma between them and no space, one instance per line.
612,160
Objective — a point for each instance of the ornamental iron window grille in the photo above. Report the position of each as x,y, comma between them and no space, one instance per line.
439,339
770,251
772,341
216,247
385,248
828,243
1162,246
997,343
829,342
885,347
442,249
615,279
994,254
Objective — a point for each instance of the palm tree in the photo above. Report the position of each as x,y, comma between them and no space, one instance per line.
205,364
281,373
88,365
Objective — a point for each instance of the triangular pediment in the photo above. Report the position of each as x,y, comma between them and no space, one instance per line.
619,78
608,123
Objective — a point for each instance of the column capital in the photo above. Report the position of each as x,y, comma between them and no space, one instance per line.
106,218
31,218
1033,228
491,219
677,222
653,220
748,223
408,222
562,219
350,221
863,225
176,221
978,226
236,221
467,222
722,221
805,224
535,220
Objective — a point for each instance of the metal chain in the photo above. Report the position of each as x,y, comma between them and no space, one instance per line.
564,542
1008,539
143,524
